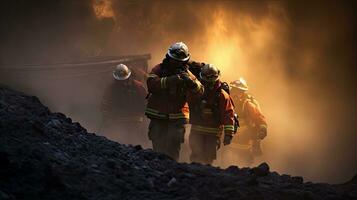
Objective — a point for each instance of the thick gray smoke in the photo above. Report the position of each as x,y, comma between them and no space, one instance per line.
298,59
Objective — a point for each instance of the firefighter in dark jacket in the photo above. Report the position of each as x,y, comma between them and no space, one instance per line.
169,83
211,115
253,127
122,108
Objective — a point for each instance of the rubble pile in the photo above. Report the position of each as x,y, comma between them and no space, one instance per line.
45,155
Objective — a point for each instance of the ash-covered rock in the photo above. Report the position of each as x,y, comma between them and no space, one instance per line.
45,155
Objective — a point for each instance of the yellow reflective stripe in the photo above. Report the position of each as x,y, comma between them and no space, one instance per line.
152,76
206,129
151,112
198,87
177,116
228,127
206,133
163,82
183,117
162,115
154,112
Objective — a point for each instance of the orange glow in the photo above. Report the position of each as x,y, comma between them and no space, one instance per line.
103,9
222,49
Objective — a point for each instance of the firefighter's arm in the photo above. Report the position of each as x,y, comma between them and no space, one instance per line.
156,83
193,83
193,97
195,93
258,118
198,88
227,114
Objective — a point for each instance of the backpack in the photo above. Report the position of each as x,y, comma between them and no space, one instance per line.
252,100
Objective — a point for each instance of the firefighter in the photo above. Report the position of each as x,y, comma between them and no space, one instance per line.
211,115
253,127
122,108
168,84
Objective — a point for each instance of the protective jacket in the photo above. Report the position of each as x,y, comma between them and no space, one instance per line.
251,120
168,102
213,112
124,102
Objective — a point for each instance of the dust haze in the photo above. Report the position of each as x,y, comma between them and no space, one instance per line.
298,60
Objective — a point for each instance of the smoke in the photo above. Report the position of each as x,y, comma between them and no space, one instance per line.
285,56
296,57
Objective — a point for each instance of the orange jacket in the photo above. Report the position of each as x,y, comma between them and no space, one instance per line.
251,120
162,102
212,112
249,112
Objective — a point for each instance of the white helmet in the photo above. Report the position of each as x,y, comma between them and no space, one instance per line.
121,72
179,51
239,84
209,73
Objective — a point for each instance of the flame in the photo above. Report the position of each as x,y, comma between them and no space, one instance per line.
103,9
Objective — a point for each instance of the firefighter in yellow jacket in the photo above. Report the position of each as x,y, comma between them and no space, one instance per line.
245,145
211,115
169,83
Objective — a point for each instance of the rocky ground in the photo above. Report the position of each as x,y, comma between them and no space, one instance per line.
45,155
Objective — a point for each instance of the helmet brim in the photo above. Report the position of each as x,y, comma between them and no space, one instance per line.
239,88
204,79
121,78
242,88
178,59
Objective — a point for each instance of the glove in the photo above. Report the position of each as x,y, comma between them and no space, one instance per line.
262,133
227,139
188,81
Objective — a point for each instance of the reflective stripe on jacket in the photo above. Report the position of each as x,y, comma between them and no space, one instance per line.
205,118
163,103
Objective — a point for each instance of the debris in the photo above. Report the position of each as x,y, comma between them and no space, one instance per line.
171,182
66,162
261,170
